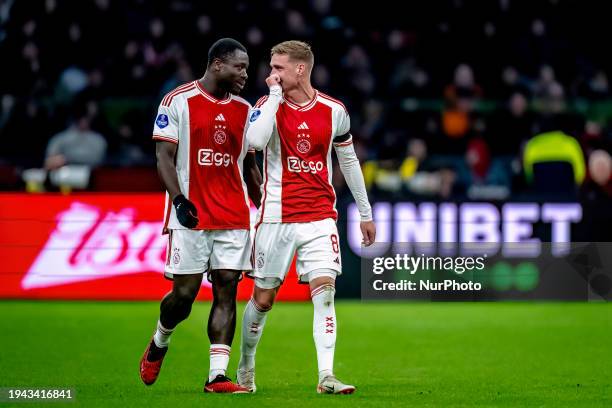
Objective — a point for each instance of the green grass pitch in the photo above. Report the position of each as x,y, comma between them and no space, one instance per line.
397,354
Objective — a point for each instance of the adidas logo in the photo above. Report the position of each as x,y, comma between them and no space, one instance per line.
303,126
220,117
337,260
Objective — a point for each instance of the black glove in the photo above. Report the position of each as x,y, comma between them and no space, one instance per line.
186,212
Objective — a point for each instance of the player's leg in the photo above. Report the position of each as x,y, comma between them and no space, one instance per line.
322,291
174,308
188,253
324,330
273,252
231,254
319,264
254,318
222,319
253,322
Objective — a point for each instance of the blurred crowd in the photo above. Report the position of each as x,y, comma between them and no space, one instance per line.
448,99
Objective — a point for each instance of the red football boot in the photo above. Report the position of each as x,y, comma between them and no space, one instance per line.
149,370
222,384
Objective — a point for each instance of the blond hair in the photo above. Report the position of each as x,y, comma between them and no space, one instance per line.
296,50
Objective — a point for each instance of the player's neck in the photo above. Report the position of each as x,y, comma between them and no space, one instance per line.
211,86
301,94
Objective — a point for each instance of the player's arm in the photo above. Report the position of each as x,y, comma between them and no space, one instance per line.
165,133
262,118
351,169
165,153
253,178
186,212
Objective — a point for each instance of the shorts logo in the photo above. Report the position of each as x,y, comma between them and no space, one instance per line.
220,136
254,115
260,260
303,146
176,257
161,121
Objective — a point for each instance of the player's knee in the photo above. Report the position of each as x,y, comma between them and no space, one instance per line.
186,294
186,288
225,300
322,286
225,278
320,277
263,301
264,305
324,293
264,292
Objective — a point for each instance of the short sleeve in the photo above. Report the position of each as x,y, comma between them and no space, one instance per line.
252,117
261,101
166,126
343,123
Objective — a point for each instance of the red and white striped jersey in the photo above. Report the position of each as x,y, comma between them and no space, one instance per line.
211,138
297,160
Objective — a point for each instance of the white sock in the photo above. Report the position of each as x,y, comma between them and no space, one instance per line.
324,328
219,357
162,336
253,323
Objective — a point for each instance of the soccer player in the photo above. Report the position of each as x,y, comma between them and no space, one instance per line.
296,126
201,147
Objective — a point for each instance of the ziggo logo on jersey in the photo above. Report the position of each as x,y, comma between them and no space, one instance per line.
296,165
208,157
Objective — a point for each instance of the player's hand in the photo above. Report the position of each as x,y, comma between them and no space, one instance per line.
273,79
186,212
368,230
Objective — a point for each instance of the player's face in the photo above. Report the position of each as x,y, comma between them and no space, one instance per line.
286,70
233,72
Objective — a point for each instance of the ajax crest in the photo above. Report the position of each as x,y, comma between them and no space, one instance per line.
220,136
176,257
303,146
260,260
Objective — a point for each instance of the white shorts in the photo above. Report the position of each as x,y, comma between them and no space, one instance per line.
317,245
195,251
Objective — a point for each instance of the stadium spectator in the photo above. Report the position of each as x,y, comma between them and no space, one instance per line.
463,92
482,176
599,182
77,144
511,66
